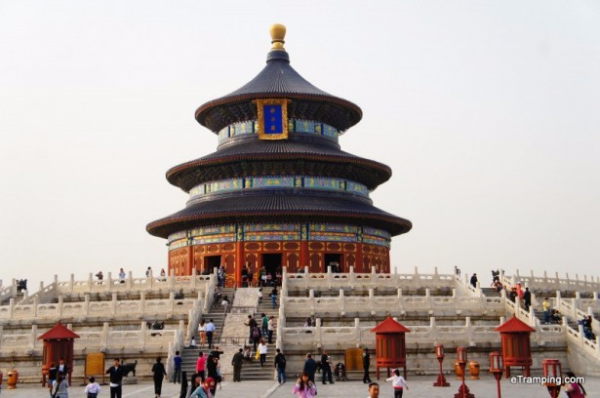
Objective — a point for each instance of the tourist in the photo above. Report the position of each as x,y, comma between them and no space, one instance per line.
250,276
177,368
163,275
526,299
202,332
310,367
255,336
212,365
271,328
326,368
260,296
262,277
366,361
237,362
225,303
274,297
280,366
546,309
200,364
61,386
513,294
62,367
121,276
244,276
204,389
158,374
210,330
92,389
264,325
116,379
573,388
221,276
307,322
247,354
304,388
373,390
52,375
149,272
195,382
262,351
193,342
398,383
100,276
474,281
251,325
278,277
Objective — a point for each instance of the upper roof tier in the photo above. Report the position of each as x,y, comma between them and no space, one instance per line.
279,80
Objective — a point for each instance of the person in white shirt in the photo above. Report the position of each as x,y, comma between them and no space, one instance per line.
92,389
262,351
398,383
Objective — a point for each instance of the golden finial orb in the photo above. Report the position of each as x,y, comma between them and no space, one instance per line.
277,32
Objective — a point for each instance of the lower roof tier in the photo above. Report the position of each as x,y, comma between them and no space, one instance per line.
280,206
287,157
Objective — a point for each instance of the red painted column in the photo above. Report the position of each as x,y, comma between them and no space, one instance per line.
304,260
239,263
359,258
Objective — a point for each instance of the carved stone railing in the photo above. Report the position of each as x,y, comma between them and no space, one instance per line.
104,340
125,309
398,304
544,282
132,285
329,280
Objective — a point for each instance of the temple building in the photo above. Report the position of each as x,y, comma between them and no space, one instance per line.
278,192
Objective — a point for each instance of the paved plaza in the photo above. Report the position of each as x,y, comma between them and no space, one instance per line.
420,387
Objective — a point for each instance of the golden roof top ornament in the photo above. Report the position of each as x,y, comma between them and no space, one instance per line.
277,32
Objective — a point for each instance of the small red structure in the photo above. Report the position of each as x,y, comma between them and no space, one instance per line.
390,345
516,347
58,343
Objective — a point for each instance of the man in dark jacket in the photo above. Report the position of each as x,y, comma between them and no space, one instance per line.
236,362
366,360
527,299
326,368
116,379
280,363
310,367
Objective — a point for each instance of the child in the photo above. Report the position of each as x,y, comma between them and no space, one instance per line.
92,389
398,383
193,342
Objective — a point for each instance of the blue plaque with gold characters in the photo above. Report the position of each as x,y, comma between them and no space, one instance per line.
272,119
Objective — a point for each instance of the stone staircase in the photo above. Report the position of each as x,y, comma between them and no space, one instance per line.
190,355
251,370
490,292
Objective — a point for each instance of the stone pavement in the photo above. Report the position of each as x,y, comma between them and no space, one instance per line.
420,387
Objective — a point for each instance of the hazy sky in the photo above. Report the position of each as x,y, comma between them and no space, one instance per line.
488,113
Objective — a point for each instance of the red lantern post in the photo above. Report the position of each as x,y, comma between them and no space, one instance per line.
439,354
552,376
496,369
461,358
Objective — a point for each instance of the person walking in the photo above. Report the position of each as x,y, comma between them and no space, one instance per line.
200,364
210,330
546,308
116,379
326,368
237,361
225,304
262,350
177,368
264,325
61,386
202,332
310,367
474,281
398,383
158,374
366,361
251,325
52,375
526,299
274,297
271,328
280,366
255,337
92,389
304,388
